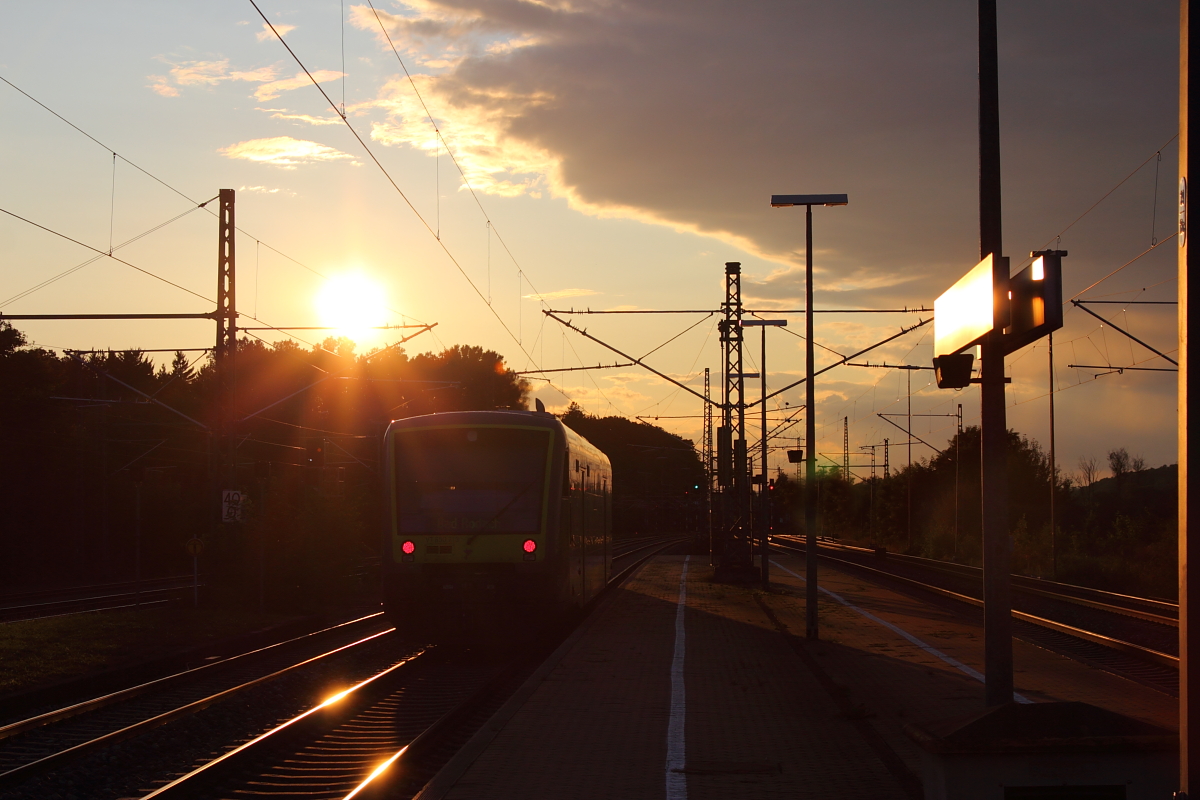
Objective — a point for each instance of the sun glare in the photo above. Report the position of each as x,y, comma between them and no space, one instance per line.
352,303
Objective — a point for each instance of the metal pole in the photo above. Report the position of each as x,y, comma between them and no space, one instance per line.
1189,588
766,495
997,548
195,581
908,472
811,629
957,470
1053,471
137,541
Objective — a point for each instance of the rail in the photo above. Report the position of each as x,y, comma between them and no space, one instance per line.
1129,648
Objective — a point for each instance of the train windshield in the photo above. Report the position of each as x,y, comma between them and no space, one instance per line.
470,480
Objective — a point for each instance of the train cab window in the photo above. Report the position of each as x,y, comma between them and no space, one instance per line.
477,481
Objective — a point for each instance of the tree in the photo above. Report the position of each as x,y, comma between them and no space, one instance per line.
658,478
1089,470
1119,462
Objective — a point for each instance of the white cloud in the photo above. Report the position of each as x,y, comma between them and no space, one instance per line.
283,151
561,293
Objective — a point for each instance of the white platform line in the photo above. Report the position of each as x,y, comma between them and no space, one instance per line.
933,651
676,750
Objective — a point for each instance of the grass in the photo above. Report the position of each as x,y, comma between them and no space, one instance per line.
42,651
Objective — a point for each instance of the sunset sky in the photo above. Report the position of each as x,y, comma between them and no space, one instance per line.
617,154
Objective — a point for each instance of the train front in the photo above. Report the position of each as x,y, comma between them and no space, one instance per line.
471,549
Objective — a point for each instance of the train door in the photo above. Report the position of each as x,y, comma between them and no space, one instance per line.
574,537
607,532
585,528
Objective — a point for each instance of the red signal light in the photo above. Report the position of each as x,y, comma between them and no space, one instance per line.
529,546
409,548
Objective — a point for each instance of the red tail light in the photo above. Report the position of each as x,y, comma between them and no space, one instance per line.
409,548
529,546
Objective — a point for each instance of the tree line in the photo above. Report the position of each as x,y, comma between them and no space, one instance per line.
111,464
1117,532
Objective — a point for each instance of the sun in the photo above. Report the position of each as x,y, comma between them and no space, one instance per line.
352,303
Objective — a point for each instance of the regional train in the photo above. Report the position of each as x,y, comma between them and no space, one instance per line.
497,520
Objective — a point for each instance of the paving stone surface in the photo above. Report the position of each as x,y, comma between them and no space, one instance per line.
896,682
758,722
769,714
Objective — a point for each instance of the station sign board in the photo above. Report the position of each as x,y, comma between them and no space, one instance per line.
965,312
1028,305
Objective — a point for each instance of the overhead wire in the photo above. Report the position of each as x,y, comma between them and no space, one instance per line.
387,175
77,267
177,191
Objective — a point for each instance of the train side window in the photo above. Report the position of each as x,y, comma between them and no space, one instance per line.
566,487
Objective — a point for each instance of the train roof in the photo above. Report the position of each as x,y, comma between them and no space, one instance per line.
539,419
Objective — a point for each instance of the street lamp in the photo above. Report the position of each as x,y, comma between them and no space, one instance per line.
810,426
765,505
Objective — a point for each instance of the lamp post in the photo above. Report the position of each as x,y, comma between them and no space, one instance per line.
765,506
810,426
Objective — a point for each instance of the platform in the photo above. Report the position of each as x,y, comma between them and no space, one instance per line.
721,697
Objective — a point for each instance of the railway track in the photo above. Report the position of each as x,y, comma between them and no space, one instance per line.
388,733
1131,636
33,746
100,597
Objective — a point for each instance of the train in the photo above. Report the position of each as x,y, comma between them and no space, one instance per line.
497,520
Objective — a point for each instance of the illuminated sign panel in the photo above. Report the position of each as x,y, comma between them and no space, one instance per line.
963,314
1036,295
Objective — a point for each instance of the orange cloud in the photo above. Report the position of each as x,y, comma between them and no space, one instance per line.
206,73
269,91
266,33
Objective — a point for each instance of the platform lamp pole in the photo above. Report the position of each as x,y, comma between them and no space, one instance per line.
997,549
765,506
810,424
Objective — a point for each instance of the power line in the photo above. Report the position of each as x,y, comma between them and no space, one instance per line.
77,267
182,194
400,192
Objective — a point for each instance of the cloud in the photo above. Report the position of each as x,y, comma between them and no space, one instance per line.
269,91
281,113
206,73
690,117
265,34
266,190
283,151
162,87
561,293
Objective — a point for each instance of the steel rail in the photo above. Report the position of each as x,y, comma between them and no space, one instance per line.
26,770
1099,599
97,703
489,687
84,605
1154,656
182,785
